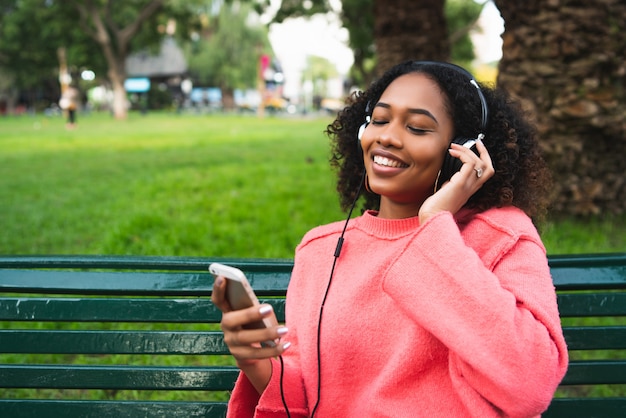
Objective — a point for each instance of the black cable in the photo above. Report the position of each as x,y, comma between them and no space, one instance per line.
282,391
330,279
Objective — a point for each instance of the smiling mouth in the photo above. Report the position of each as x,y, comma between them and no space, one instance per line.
384,161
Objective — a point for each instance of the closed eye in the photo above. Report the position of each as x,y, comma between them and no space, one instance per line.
419,131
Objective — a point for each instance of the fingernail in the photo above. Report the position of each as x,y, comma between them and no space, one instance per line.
219,280
265,309
282,331
286,346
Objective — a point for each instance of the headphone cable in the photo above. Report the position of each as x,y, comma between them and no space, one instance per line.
330,279
282,391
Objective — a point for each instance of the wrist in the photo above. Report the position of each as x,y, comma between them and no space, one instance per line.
258,372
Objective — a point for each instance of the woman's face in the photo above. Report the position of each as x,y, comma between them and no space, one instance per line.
405,143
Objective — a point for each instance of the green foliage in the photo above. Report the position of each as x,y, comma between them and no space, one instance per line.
32,31
358,18
461,16
297,8
228,51
319,70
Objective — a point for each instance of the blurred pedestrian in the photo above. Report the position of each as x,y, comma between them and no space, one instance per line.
69,103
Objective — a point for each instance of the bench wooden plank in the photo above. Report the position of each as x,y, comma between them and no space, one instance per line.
118,377
595,372
191,310
592,304
595,338
586,408
112,342
272,266
30,408
118,283
595,271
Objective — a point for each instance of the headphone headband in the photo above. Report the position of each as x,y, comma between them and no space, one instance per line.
483,103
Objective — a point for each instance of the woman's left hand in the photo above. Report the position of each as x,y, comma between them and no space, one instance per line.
451,197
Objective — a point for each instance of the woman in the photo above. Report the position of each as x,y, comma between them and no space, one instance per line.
439,303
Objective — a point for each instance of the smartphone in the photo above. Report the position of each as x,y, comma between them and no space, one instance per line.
240,295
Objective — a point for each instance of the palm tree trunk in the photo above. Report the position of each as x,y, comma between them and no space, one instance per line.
565,61
421,36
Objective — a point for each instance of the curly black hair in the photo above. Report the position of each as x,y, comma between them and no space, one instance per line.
522,178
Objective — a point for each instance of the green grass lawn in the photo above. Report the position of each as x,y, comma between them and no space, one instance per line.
163,184
191,185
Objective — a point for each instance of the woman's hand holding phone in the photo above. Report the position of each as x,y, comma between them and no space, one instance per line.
251,333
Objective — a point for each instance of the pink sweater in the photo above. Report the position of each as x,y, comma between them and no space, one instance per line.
453,318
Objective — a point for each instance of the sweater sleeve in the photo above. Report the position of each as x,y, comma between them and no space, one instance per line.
500,322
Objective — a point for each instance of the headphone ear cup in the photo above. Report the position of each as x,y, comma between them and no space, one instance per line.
452,164
362,128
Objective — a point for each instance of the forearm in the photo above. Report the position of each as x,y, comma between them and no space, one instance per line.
258,373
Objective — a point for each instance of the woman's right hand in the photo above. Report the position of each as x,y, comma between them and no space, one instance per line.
245,344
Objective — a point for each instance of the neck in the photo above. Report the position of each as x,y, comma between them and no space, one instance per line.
395,210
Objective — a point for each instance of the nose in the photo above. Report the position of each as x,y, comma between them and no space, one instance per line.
389,136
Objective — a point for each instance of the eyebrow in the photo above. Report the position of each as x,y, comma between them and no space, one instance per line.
417,111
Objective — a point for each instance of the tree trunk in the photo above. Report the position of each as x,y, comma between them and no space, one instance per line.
228,98
565,60
409,29
97,21
117,76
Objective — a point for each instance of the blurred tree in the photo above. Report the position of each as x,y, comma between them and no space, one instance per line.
399,34
115,28
31,33
318,71
462,18
565,61
227,50
383,33
357,17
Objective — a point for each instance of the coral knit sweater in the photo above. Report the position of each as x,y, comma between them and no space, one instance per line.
453,318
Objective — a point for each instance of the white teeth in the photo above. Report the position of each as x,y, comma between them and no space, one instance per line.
387,162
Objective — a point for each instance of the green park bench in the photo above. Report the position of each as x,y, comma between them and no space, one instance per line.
152,321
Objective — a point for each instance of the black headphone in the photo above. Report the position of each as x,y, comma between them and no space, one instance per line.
450,164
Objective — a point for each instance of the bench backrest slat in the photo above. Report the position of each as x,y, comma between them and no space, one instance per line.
112,342
117,377
188,310
586,407
142,283
19,408
592,304
596,271
595,372
595,338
